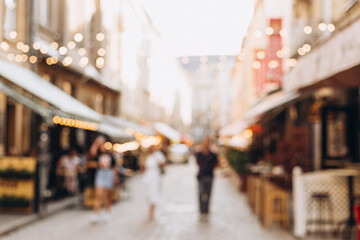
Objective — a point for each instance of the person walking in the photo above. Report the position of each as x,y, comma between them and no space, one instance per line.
206,161
105,177
150,168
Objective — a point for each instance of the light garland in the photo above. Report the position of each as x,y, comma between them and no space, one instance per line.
62,50
69,122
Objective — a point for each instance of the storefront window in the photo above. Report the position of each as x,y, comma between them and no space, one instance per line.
10,18
336,134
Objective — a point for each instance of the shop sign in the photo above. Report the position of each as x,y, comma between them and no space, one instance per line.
274,72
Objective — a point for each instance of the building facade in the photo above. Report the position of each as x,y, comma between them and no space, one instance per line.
210,78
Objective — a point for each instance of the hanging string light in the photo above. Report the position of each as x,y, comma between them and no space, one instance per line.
331,27
83,61
33,59
24,58
18,58
63,50
301,51
260,54
13,35
25,48
101,52
19,45
322,26
67,61
306,47
256,64
82,51
10,57
100,62
43,49
282,32
71,45
308,30
100,37
78,37
269,31
54,45
5,46
36,45
292,62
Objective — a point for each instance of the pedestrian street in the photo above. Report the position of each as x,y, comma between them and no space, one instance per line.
176,217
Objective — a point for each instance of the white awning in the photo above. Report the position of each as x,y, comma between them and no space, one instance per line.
31,104
269,103
124,123
254,114
39,87
167,131
234,128
117,133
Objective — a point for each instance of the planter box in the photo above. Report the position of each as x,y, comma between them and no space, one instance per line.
13,189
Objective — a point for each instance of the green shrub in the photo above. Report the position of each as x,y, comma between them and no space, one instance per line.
238,160
11,173
13,201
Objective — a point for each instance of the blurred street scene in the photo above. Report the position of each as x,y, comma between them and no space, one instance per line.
177,217
130,105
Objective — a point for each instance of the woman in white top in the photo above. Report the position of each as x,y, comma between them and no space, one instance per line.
151,176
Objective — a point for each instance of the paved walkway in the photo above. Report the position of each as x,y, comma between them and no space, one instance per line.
176,216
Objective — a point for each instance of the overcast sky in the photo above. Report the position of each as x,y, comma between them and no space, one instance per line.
201,27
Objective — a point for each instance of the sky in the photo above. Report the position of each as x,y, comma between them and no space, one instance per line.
201,27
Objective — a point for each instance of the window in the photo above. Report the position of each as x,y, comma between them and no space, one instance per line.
10,18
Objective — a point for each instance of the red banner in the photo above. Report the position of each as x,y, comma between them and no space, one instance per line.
274,73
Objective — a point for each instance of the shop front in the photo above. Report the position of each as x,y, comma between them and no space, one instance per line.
329,74
42,122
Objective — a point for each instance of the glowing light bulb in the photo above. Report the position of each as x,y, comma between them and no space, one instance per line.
308,29
78,37
100,37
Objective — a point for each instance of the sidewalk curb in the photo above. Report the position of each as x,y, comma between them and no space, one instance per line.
24,220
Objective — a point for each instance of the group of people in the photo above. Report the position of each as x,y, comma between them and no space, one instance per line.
150,167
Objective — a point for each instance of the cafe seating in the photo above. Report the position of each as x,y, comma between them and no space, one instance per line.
322,211
275,205
257,196
250,191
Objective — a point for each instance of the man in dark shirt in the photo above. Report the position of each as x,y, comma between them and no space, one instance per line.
206,161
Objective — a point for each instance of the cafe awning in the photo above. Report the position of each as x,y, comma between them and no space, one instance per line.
131,125
116,133
45,91
254,114
50,102
269,103
167,131
31,104
234,128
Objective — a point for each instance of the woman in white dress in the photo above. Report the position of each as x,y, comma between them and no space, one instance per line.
151,176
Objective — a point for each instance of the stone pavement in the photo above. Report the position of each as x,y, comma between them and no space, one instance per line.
176,217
